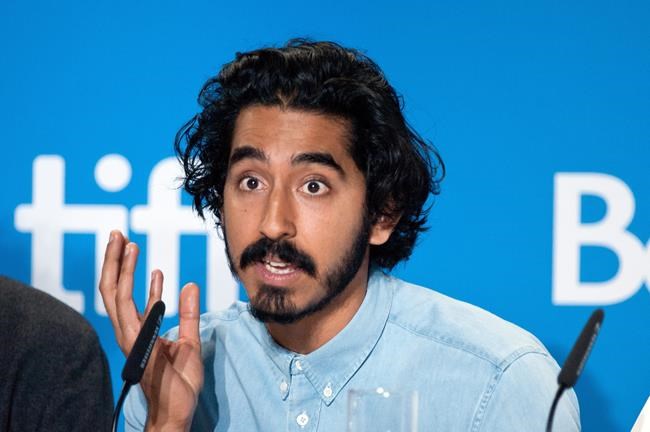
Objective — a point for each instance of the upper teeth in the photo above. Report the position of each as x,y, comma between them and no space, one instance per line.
278,267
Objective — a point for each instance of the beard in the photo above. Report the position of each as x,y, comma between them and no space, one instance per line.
272,303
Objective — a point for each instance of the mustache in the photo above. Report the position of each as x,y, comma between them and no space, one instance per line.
284,250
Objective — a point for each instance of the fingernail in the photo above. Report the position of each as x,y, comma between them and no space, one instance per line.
127,250
111,237
154,276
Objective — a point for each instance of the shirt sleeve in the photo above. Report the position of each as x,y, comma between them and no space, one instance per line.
520,398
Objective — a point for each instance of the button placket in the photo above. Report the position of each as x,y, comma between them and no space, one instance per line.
302,419
305,405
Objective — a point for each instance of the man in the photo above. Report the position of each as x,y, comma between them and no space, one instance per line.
54,374
304,159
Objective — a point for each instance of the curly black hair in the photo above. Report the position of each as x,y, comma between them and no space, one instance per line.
401,169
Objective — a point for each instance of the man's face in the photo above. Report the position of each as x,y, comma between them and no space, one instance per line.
294,214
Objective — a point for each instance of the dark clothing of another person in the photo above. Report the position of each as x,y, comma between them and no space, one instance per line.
53,372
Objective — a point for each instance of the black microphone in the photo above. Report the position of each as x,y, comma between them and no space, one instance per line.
138,358
575,362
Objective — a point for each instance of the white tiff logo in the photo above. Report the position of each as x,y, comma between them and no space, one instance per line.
569,234
163,220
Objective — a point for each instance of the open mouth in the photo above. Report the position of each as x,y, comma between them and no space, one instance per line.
278,267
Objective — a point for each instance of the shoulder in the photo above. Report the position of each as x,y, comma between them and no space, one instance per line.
217,325
37,316
506,368
458,325
52,347
215,328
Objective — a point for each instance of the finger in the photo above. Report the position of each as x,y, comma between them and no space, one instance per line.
188,312
127,314
155,290
110,275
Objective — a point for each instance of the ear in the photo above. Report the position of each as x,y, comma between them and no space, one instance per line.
382,229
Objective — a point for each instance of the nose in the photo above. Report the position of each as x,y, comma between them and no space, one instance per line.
278,220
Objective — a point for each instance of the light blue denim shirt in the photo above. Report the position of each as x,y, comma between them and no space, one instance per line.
472,370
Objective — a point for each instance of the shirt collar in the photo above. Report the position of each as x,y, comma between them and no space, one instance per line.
331,366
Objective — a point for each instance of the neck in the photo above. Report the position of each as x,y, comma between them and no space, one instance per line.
315,330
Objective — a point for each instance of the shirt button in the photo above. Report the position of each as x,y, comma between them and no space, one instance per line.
327,391
302,419
298,365
284,386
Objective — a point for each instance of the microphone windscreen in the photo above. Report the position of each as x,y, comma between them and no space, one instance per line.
137,360
576,360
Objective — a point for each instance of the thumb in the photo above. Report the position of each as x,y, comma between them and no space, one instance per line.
189,313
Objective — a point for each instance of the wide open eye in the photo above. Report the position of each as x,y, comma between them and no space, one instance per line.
249,183
315,188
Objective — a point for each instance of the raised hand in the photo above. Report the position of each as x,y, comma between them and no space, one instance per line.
174,376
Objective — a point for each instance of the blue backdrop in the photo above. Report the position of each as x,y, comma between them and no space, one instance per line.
540,111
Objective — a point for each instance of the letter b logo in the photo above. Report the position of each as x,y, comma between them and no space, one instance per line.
569,234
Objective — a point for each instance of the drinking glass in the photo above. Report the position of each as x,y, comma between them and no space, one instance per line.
382,410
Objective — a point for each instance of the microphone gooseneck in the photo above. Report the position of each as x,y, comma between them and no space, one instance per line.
551,414
575,362
138,358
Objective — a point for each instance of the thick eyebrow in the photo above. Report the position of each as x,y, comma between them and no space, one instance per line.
247,152
325,159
